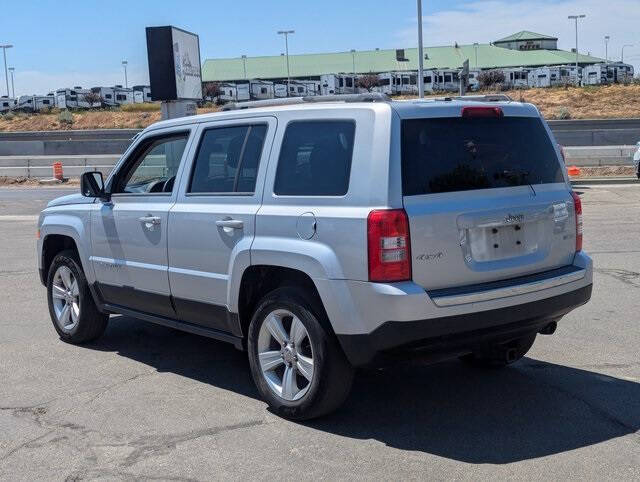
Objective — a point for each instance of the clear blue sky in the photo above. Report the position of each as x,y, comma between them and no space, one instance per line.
83,42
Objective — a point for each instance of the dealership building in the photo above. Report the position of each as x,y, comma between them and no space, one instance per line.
523,49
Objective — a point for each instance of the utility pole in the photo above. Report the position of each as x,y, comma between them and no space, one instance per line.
286,34
420,53
13,87
353,59
124,64
606,48
244,64
475,47
6,74
576,17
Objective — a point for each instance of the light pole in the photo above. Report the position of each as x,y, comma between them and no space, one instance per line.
13,87
606,49
353,59
6,74
126,83
475,47
286,49
626,45
244,65
420,53
576,17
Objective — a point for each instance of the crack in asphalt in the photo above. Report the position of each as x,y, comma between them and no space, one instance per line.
630,278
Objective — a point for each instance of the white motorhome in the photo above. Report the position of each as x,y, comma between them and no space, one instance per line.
141,93
106,94
6,103
73,99
569,74
544,77
33,103
617,72
338,84
594,74
232,92
122,95
261,89
517,77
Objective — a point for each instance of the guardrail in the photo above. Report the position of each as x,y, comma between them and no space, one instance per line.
41,166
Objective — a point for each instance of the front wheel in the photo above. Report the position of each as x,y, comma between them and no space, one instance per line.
74,314
298,367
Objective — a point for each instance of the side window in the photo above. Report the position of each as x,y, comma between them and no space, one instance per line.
315,158
154,169
228,159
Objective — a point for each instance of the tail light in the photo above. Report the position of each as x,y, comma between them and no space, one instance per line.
475,111
577,204
389,245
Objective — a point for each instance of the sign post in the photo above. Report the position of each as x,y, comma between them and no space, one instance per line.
174,70
464,77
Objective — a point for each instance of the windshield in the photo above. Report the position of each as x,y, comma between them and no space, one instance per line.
459,154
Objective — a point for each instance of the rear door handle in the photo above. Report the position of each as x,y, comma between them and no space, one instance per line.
230,223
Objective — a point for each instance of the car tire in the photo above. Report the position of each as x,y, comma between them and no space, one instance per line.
501,355
332,375
80,321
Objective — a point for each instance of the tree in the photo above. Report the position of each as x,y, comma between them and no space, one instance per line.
491,78
92,98
210,89
368,82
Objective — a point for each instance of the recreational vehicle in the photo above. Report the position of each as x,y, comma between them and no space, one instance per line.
106,94
387,83
74,99
447,80
261,89
570,74
619,73
516,78
544,77
279,89
122,95
338,84
6,103
232,92
34,103
141,93
595,74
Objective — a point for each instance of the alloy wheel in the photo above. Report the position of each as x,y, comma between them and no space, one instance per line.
66,298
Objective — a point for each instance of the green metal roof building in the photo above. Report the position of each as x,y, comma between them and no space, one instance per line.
516,52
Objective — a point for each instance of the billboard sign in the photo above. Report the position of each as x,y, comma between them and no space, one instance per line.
174,64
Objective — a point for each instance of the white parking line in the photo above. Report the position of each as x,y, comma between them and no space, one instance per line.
26,217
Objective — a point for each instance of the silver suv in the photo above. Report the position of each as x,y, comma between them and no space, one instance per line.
327,234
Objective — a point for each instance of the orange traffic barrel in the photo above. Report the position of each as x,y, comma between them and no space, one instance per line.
57,171
573,170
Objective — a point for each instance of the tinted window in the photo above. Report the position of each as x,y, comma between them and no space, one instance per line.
315,159
456,154
155,168
227,160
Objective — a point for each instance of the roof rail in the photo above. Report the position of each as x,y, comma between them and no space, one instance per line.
369,97
480,98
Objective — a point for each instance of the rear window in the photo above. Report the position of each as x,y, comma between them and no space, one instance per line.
458,154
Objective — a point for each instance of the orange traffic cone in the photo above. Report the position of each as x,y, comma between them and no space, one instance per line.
573,171
57,171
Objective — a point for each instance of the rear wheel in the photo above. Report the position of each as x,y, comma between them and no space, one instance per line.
74,314
298,366
502,354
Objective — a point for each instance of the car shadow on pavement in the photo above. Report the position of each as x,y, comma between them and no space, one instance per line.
531,409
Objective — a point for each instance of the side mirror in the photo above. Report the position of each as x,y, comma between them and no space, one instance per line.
92,185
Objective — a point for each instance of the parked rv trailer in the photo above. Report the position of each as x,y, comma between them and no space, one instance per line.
232,92
34,103
569,74
74,99
474,82
106,94
279,89
312,87
141,93
544,77
122,95
618,72
447,80
516,78
595,74
338,84
261,89
6,103
387,83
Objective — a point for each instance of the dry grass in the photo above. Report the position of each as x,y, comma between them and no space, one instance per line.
616,101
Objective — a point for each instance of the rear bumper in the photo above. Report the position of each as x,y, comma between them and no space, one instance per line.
370,318
459,334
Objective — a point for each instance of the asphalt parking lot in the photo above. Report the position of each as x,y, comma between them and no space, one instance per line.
148,402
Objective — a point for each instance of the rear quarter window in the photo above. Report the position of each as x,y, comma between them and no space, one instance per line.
458,154
315,158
